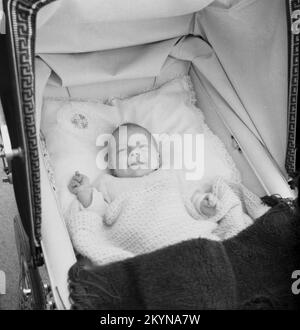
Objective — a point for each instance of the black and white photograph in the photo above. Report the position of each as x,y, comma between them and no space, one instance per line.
149,158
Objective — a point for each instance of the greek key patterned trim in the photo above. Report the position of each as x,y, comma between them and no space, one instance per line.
23,15
293,16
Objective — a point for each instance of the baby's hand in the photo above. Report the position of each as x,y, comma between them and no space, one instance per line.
205,203
78,183
208,205
81,187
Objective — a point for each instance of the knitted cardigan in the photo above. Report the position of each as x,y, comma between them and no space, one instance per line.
146,214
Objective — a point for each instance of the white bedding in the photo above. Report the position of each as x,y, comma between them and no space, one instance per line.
71,129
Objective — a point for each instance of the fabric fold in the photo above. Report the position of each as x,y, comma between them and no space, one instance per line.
110,65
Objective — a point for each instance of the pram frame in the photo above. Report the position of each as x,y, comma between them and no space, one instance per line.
18,99
292,157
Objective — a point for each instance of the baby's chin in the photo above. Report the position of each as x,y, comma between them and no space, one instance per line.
132,173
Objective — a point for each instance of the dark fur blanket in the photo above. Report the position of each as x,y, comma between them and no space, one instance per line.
250,271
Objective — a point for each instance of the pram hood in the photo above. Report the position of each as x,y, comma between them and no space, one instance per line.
248,37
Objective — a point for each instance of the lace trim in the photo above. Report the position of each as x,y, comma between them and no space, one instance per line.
74,99
183,77
190,88
187,84
109,100
47,162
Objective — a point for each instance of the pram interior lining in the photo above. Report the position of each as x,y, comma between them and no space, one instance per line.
222,108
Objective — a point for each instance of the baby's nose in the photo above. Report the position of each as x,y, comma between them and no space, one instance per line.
134,153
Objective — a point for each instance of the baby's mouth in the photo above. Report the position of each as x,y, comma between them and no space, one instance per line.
136,165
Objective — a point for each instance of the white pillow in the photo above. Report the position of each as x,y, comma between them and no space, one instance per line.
171,109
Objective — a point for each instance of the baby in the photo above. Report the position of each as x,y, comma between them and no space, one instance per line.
140,207
134,153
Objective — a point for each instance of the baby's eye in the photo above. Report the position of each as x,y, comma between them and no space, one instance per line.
143,147
122,151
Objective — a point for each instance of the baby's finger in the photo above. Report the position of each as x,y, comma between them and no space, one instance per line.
212,201
78,175
75,184
74,177
78,178
71,182
205,202
73,188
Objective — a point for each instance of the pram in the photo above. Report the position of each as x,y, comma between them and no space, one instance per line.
240,54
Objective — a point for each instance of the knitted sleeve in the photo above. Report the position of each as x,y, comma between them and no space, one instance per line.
252,204
113,211
88,238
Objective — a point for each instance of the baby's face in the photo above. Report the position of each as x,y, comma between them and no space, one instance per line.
133,152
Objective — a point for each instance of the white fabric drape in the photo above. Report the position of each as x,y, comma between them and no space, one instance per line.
110,65
68,26
250,41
